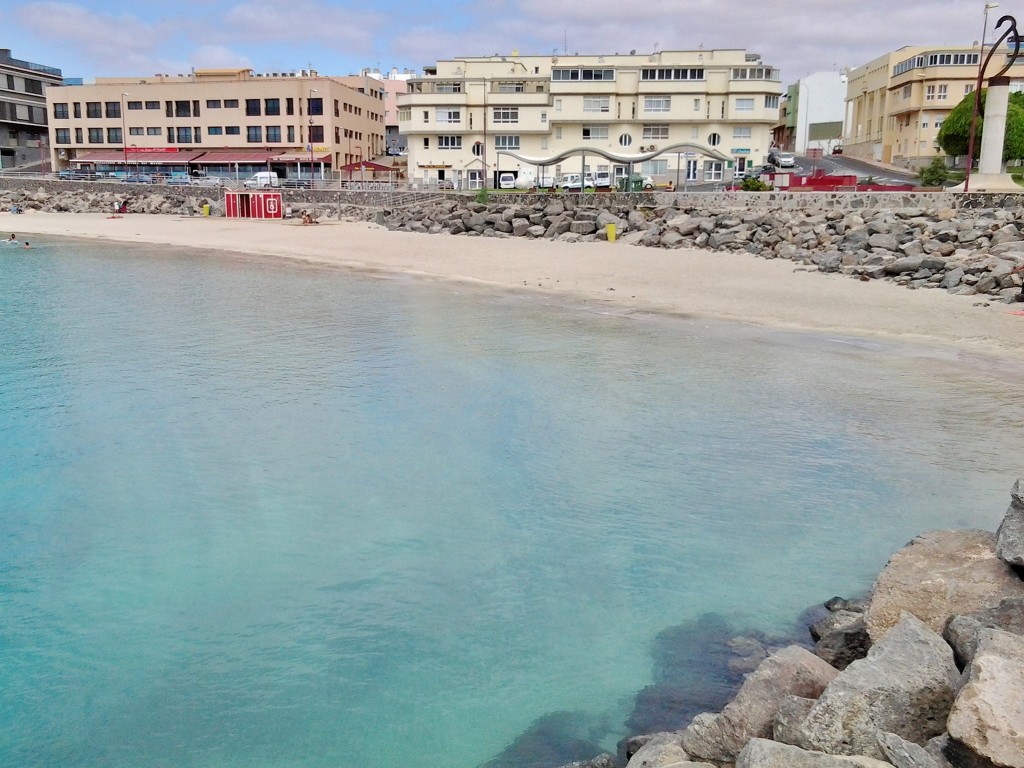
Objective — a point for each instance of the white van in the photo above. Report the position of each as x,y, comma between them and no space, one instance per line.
262,179
572,181
506,181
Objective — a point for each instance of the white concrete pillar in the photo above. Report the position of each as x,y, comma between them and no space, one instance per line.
994,129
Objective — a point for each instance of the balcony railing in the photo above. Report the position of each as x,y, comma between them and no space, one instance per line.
21,63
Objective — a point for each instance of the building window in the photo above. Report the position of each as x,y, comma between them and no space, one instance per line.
625,140
506,142
291,134
714,140
583,73
506,114
448,115
316,106
78,109
744,105
60,111
274,134
152,131
213,103
195,108
943,92
135,131
656,131
316,133
232,130
184,135
771,102
214,130
595,104
254,134
170,135
113,108
63,136
183,109
677,73
969,88
654,167
78,135
272,106
449,142
558,105
594,132
755,73
543,118
558,133
657,103
448,88
908,89
95,135
511,87
152,105
478,148
426,142
252,107
742,132
93,109
230,103
713,170
929,93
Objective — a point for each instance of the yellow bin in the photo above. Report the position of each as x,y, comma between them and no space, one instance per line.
206,210
610,229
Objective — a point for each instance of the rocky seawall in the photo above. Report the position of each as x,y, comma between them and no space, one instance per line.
927,672
967,250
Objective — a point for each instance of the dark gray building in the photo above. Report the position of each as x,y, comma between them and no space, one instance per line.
23,110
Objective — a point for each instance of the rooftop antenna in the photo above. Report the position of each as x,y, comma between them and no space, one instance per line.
565,41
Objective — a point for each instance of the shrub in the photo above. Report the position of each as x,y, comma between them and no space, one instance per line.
755,185
935,174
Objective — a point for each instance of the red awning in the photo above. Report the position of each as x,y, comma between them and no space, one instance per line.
112,156
249,158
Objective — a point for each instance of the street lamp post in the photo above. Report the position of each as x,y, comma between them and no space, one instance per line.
977,100
309,111
124,134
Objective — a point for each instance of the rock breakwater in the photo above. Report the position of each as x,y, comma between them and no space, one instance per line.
927,672
965,251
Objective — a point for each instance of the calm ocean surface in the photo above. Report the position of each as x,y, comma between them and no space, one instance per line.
259,514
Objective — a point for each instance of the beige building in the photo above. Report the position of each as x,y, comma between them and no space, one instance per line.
219,121
677,116
896,104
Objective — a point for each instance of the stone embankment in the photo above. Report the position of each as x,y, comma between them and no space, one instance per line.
966,250
927,672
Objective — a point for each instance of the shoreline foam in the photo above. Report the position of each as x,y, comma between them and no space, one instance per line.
735,286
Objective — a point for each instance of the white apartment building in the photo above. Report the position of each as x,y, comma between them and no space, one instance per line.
815,108
677,116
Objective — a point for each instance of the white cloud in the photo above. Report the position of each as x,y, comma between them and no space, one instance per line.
297,22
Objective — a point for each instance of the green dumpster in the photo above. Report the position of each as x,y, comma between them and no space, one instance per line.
634,183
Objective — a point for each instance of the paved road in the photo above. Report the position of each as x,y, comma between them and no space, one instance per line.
842,165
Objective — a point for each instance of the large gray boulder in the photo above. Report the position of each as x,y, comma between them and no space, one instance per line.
988,714
761,753
904,754
660,749
964,632
905,686
842,637
793,710
791,670
1010,536
938,575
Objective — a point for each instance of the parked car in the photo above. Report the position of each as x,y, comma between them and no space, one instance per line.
603,179
571,181
69,174
506,181
262,180
297,183
785,160
757,171
838,150
138,178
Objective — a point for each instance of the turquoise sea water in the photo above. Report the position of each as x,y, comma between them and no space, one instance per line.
259,514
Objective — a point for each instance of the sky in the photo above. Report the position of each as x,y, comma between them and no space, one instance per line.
107,38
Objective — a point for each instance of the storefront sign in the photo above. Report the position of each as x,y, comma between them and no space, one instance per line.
151,149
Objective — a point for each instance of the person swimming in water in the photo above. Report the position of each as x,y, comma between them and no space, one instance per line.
12,239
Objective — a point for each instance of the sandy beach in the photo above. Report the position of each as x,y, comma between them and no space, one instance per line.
730,286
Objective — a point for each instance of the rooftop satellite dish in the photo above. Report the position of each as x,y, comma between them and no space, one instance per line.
633,52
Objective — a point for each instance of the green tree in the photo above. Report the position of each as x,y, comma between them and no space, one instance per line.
935,174
954,135
755,185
